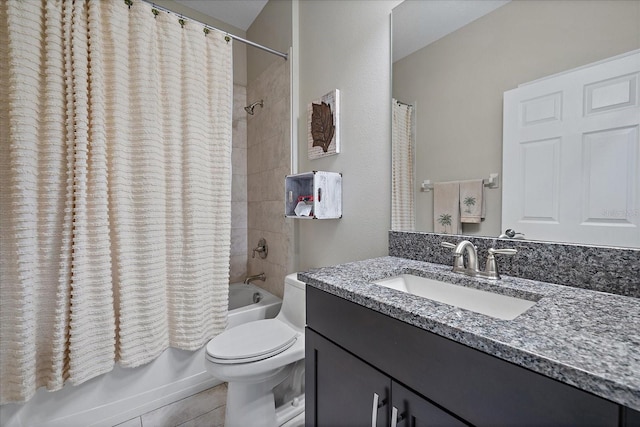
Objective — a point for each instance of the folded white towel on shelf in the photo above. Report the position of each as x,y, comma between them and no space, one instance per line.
472,205
446,207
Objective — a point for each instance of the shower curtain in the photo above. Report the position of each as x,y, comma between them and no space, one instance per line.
402,183
115,163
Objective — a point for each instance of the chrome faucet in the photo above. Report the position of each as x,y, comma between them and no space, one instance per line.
260,277
471,269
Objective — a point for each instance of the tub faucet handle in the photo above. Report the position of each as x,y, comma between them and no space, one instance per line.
262,249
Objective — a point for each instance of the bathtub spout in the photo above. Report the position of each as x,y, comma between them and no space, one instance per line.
260,276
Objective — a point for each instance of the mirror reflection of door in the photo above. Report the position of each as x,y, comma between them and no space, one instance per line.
571,155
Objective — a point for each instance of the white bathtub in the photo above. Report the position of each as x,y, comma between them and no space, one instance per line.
249,302
125,393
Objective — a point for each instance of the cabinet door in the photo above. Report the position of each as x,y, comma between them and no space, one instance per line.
341,389
412,410
631,418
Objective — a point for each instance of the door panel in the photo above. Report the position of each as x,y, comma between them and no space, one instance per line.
571,155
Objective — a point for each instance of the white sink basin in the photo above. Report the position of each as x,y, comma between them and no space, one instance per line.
488,303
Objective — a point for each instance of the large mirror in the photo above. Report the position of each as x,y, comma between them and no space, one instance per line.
454,59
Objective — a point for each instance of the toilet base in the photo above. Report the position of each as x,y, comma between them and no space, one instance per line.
297,421
251,401
289,410
247,403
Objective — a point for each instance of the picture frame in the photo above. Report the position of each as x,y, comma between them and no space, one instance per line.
323,125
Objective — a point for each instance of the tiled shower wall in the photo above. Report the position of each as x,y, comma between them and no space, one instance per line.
268,162
238,269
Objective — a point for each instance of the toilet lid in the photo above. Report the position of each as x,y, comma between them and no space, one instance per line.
251,341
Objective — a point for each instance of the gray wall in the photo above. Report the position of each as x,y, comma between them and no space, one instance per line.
345,45
271,28
462,78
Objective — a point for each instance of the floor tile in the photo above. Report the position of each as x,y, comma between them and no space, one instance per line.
213,418
134,422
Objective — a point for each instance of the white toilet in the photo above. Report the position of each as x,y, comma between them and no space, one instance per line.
257,356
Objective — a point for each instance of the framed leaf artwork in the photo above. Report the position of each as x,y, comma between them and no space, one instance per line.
323,125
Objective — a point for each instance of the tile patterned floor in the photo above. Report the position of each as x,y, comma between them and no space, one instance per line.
203,409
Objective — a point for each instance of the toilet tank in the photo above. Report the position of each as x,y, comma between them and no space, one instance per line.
293,302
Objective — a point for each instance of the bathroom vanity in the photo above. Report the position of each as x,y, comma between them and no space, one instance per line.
379,356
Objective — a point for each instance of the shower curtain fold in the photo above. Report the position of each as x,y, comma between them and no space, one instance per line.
115,155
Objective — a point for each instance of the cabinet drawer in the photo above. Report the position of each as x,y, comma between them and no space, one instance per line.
475,386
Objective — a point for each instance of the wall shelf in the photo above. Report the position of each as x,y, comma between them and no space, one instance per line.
313,195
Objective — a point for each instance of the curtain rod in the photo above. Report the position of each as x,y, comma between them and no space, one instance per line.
240,39
403,103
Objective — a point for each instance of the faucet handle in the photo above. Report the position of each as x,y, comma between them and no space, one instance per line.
262,249
447,245
493,251
491,269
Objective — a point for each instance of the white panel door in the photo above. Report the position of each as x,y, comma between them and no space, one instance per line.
571,155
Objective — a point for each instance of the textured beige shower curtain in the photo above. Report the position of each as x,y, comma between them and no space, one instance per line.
402,182
115,168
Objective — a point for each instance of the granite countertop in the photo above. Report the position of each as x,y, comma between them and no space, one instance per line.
584,338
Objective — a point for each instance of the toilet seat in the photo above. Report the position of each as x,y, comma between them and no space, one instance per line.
251,342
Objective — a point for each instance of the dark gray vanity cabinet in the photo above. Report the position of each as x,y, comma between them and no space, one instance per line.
349,392
353,352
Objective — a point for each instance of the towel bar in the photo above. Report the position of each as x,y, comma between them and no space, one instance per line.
492,182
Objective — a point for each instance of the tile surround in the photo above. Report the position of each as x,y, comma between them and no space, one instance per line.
238,265
268,162
605,269
261,159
